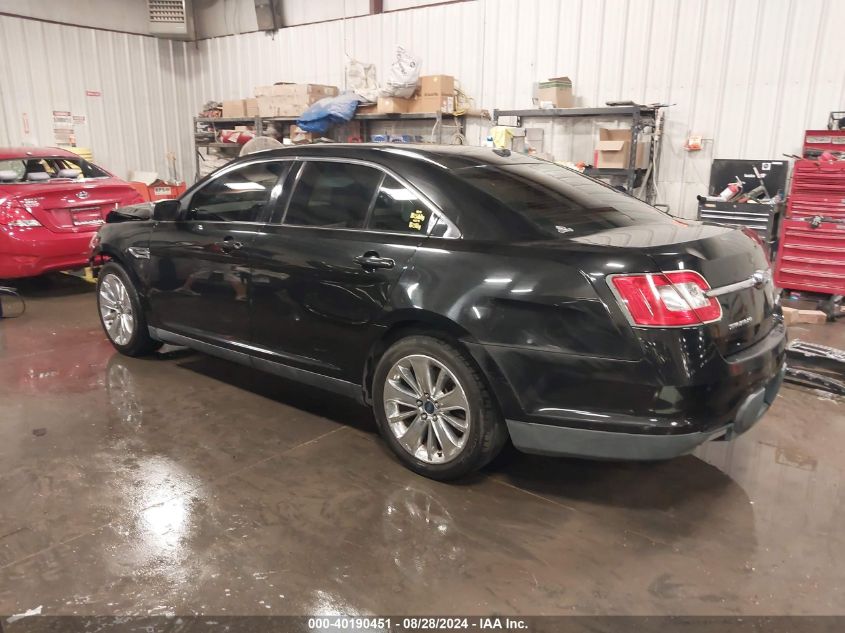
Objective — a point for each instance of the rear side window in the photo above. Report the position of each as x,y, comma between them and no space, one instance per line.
558,200
19,169
333,195
398,209
237,196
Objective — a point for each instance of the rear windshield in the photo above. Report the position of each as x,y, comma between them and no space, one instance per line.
558,200
26,169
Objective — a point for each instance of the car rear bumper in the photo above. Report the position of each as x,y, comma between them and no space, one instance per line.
545,439
565,404
33,251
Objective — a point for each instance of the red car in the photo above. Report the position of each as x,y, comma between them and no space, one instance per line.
51,202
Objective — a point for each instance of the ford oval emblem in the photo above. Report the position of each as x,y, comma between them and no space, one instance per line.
82,195
760,278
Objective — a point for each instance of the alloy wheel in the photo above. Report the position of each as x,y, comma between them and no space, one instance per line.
116,309
427,409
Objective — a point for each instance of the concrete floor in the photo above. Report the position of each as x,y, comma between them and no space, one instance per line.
184,484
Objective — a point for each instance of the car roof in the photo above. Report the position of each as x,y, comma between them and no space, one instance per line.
447,156
10,153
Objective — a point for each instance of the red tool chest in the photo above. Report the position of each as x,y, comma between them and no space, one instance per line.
818,141
811,253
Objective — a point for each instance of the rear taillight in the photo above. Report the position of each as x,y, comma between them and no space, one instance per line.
14,215
673,299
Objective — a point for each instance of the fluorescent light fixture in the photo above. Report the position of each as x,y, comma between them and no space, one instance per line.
245,186
400,194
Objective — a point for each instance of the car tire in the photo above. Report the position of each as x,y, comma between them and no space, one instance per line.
420,411
120,312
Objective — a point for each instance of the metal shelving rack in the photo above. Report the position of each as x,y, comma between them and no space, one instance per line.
209,139
641,117
436,117
438,122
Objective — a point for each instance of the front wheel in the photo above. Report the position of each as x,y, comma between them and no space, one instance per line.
434,409
120,312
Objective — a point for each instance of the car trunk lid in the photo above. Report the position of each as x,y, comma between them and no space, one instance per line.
65,207
727,258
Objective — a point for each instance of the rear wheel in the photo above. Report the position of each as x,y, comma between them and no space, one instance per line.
434,409
120,312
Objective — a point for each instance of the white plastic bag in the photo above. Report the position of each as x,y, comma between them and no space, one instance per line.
361,79
403,75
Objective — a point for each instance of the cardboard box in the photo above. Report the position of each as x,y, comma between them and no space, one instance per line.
790,315
811,316
442,103
558,91
262,91
280,106
290,99
251,107
309,93
614,148
234,109
302,92
393,105
437,85
367,109
298,135
643,151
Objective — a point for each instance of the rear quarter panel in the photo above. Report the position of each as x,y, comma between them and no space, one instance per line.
519,295
533,321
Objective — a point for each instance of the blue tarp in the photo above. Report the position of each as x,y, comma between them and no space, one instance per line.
327,112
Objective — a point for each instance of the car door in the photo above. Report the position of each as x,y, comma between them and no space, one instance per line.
327,261
200,263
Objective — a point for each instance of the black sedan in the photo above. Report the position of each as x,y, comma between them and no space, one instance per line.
468,295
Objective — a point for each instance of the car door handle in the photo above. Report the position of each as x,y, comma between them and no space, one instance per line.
374,261
229,244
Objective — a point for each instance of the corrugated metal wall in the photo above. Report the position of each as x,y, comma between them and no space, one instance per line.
447,38
143,111
749,75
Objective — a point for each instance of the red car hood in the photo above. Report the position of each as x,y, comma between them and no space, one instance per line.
70,206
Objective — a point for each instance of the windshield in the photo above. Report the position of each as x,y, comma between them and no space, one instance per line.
34,170
558,200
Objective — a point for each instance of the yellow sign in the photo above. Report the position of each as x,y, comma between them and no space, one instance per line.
417,218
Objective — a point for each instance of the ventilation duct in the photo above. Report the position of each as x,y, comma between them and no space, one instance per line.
172,19
268,14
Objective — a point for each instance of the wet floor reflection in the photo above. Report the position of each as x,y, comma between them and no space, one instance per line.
420,532
181,483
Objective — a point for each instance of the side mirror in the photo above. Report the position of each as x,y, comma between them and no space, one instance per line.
166,210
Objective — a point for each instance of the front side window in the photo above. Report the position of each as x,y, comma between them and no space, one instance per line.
237,196
398,209
333,195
